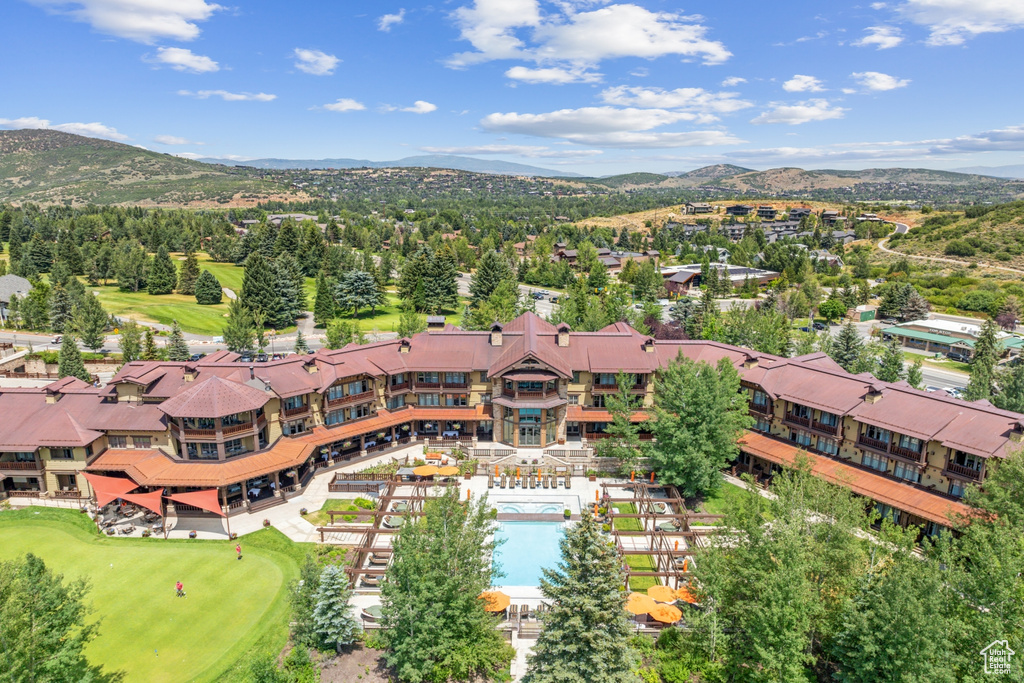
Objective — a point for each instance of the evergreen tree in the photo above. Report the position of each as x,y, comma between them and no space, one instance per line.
188,274
60,309
302,596
90,322
410,283
323,304
68,253
27,268
177,347
130,266
287,241
386,268
289,264
848,348
356,289
208,289
162,273
916,307
259,286
287,305
34,309
69,360
40,251
300,343
410,322
586,631
698,415
332,616
914,375
623,444
149,350
983,363
891,365
314,250
240,332
441,282
130,341
492,270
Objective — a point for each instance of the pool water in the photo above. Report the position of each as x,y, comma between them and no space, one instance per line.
528,547
531,508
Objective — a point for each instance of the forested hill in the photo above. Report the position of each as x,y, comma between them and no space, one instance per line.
48,166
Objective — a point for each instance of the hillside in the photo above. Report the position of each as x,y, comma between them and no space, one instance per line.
48,166
992,235
711,172
490,166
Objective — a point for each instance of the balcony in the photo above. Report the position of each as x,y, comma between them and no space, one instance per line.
351,398
456,385
20,466
297,410
427,385
761,408
196,433
824,428
797,420
394,388
906,453
523,394
599,388
962,471
235,429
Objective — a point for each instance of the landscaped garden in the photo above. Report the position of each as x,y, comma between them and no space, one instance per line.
321,518
233,608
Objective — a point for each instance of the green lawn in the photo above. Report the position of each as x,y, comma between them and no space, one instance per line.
321,518
642,563
720,502
233,609
629,523
166,308
939,363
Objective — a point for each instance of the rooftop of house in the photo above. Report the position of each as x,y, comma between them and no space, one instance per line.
13,284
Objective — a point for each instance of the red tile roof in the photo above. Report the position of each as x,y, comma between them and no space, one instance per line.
214,397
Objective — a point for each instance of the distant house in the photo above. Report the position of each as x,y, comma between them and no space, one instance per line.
830,217
738,210
11,285
716,253
826,256
766,212
798,212
680,280
698,207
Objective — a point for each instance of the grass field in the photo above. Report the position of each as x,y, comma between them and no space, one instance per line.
233,608
721,501
938,363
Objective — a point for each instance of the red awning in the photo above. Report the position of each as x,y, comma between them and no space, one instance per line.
206,500
109,488
150,501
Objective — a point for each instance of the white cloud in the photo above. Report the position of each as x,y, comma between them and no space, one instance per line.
181,59
552,75
315,62
144,21
531,151
881,37
801,83
878,5
654,140
1010,139
801,112
581,38
345,104
93,130
952,22
689,99
388,20
420,107
733,80
877,82
229,96
174,140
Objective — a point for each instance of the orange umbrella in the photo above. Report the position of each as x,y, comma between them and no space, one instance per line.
662,593
666,614
638,603
495,601
685,595
425,470
448,471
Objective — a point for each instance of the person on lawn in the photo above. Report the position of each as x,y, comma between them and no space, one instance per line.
180,588
238,549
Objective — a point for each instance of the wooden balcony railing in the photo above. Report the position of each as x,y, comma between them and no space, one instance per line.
200,433
761,408
908,453
21,465
962,471
797,420
427,385
875,444
824,428
456,385
402,386
297,410
235,429
350,398
68,495
25,494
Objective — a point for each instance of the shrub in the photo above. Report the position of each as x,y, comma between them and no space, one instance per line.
364,503
959,248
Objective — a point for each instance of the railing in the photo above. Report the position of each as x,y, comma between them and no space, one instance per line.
349,398
353,487
532,394
17,465
73,495
364,476
298,410
873,443
798,420
761,409
234,429
24,494
427,385
456,385
908,453
187,509
961,470
824,428
402,386
196,433
235,504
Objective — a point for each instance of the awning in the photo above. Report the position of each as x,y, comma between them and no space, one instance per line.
530,376
206,500
150,501
579,413
109,488
552,402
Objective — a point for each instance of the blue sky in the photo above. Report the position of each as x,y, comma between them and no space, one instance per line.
594,86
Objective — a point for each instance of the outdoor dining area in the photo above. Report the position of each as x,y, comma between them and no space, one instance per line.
657,608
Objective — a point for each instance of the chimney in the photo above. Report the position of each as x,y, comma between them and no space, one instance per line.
749,362
496,329
404,346
874,394
563,334
252,372
649,345
189,372
311,366
1017,435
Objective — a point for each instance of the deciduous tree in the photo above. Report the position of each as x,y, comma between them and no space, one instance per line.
90,321
130,341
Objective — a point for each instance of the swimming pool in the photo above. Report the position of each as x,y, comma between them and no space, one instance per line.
531,508
528,547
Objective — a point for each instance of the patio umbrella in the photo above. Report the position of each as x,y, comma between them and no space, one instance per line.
685,595
425,470
666,614
662,593
638,603
495,601
448,471
375,611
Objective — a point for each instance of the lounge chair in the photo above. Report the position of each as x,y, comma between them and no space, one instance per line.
661,508
490,481
513,613
371,581
524,612
554,481
502,483
378,559
568,478
669,526
544,481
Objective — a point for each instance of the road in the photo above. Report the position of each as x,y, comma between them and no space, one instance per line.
902,228
943,379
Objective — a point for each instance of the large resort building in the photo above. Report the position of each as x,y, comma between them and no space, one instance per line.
267,427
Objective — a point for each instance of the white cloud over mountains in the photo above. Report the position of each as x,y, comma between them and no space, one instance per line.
315,62
182,59
95,129
531,151
144,21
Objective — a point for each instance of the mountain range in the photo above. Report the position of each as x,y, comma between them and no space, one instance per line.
458,163
1012,171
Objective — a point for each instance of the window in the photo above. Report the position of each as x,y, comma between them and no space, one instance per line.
456,399
429,399
334,417
234,447
956,488
906,472
62,454
875,462
485,399
293,402
400,378
200,423
454,378
933,530
117,441
968,460
428,377
293,427
760,398
576,377
396,402
802,438
574,399
142,441
885,511
876,433
800,411
335,392
830,446
910,443
599,400
763,425
358,412
201,451
829,419
358,387
24,456
605,378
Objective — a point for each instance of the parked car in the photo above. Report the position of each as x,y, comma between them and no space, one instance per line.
889,321
958,357
196,356
245,357
554,299
805,329
57,340
820,326
262,358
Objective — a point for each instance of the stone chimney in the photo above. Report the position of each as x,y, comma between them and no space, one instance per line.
189,372
496,329
749,362
404,346
563,334
310,366
874,394
649,345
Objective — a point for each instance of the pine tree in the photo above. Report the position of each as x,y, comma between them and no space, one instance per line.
287,241
314,250
188,274
69,360
287,305
411,322
891,365
441,282
60,309
41,253
356,289
983,363
386,268
259,286
130,341
332,616
323,305
162,273
149,350
240,332
208,289
492,270
300,343
177,347
916,307
847,348
586,631
914,375
90,322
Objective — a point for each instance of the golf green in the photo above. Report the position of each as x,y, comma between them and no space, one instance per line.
146,631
